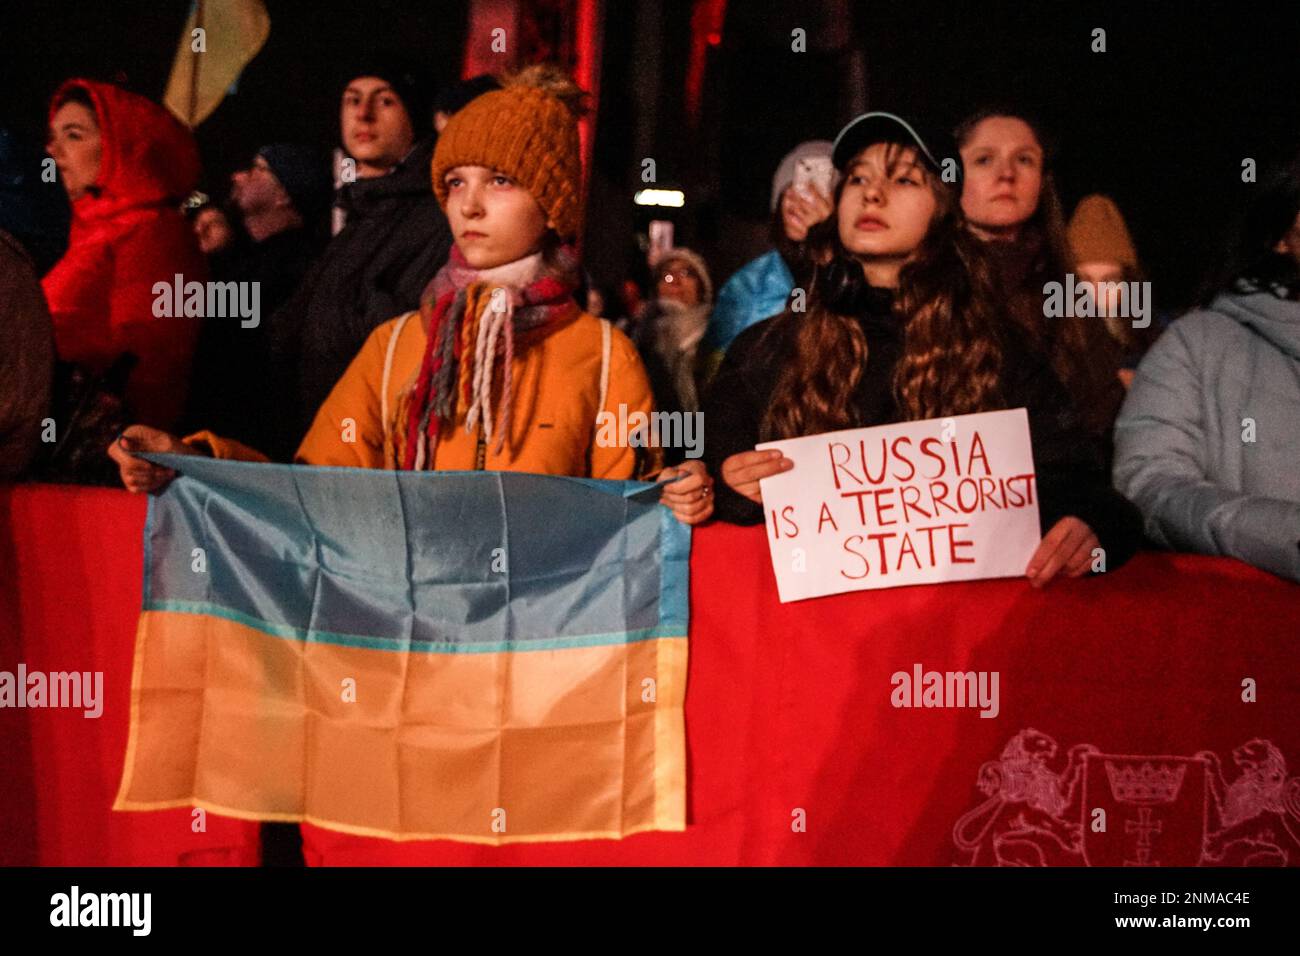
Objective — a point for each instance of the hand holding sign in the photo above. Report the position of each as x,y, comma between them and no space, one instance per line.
949,499
745,471
1070,548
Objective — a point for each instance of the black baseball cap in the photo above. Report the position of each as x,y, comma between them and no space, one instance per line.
932,143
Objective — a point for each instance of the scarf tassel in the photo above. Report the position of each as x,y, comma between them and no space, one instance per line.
471,320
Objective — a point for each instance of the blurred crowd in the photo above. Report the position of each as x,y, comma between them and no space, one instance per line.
418,301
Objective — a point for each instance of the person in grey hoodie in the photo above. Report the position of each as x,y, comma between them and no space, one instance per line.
1207,443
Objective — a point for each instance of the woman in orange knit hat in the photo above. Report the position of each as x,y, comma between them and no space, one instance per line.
499,368
1105,257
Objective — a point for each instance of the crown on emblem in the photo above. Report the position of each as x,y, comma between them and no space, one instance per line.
1149,784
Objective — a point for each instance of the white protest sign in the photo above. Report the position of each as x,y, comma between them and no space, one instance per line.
947,499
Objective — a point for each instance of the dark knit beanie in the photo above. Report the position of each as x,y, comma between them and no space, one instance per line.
408,80
304,172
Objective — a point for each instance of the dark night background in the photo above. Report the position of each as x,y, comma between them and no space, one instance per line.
1161,121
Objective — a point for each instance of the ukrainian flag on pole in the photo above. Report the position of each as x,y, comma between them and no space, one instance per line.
479,656
218,41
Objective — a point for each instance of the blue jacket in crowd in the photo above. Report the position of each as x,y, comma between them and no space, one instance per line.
757,291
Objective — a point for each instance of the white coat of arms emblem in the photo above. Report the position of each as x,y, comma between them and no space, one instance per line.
1104,809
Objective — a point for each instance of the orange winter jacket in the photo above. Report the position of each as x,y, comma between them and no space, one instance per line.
556,386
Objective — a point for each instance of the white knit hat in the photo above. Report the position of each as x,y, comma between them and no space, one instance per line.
695,261
785,172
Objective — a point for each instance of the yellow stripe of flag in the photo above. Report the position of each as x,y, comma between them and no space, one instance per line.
219,40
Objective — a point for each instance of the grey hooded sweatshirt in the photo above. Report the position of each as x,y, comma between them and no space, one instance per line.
1207,444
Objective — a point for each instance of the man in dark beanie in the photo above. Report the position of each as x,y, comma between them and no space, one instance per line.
301,172
281,199
387,110
393,240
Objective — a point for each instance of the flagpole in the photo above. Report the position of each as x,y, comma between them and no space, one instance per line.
194,68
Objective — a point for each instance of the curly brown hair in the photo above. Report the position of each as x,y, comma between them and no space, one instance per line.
952,356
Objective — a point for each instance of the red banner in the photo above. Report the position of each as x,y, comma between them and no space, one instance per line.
1145,716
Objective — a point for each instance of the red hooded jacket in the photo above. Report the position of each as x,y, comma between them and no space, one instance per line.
128,234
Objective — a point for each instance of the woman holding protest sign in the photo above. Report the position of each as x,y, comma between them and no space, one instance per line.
499,369
902,325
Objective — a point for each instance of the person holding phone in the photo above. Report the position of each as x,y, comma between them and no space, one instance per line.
903,325
801,198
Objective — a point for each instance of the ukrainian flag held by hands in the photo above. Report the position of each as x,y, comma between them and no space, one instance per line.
480,656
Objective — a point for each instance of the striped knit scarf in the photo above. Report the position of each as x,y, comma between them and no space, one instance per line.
471,318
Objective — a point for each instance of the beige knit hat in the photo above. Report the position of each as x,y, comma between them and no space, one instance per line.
1097,233
692,259
529,131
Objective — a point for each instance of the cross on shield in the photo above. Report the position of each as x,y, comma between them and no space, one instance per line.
1155,810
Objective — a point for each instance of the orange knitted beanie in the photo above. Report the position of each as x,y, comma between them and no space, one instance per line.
1097,233
529,131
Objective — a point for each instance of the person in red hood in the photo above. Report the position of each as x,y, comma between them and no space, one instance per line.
125,163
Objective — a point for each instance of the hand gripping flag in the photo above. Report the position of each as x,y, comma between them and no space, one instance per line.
479,656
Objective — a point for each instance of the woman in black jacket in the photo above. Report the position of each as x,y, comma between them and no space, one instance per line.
902,325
